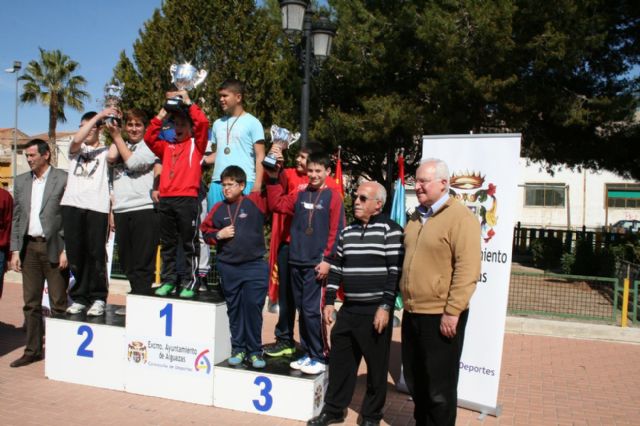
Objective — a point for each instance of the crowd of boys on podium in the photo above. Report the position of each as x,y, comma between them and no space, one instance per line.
151,181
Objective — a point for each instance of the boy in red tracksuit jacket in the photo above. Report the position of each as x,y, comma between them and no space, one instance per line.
179,184
317,218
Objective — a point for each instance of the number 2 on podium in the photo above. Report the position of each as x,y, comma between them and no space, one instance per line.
82,349
167,312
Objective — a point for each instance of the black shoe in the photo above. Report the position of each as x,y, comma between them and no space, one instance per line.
280,348
25,360
326,419
369,422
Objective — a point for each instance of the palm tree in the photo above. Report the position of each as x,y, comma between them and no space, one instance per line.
51,82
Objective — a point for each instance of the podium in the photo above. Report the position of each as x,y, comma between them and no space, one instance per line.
172,345
86,350
276,390
177,349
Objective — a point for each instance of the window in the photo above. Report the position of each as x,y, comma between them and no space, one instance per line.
544,194
623,195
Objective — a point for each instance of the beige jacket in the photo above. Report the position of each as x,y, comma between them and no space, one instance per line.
442,261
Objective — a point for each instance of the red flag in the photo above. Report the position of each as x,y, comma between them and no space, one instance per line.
338,175
340,183
277,224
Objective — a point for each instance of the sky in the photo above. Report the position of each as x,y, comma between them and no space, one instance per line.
90,32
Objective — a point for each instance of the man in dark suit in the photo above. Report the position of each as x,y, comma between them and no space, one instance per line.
37,244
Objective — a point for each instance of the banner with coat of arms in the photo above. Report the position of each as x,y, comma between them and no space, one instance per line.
484,170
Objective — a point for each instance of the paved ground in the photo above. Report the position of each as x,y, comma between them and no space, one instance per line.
545,380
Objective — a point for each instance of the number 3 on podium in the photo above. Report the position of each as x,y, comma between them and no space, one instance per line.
265,388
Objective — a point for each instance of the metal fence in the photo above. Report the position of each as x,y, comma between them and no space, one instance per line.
566,296
598,238
118,273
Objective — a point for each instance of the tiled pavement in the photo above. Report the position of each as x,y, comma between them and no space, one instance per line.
544,381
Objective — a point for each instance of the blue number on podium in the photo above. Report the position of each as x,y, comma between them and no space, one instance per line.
82,349
167,312
264,392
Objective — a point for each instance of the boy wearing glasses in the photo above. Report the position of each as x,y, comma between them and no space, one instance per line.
85,215
236,227
318,217
179,184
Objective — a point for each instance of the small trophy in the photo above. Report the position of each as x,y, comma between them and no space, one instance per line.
284,138
184,77
112,98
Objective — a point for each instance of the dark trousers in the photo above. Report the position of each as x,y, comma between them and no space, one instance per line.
85,239
35,269
286,304
352,338
244,287
307,294
137,238
179,220
431,367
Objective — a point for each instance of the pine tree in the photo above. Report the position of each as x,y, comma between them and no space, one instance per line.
229,39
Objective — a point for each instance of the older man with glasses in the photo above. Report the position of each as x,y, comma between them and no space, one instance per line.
368,263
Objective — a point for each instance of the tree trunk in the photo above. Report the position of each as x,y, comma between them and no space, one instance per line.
53,121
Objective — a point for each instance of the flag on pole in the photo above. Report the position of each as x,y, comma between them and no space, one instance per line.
398,208
340,183
338,174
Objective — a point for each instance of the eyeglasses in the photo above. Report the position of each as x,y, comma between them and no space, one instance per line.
363,198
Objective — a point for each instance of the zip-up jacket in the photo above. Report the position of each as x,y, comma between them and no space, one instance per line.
181,171
317,219
368,263
247,215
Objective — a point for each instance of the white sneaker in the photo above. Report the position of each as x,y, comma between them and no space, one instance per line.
297,365
75,308
313,367
121,311
97,309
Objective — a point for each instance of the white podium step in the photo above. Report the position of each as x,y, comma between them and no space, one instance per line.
172,345
276,390
86,350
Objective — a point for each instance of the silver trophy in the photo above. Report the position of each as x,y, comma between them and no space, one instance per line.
112,98
282,137
184,77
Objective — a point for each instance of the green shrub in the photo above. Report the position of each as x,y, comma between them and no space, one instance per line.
585,259
566,263
546,252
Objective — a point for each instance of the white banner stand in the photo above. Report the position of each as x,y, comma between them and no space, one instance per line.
484,172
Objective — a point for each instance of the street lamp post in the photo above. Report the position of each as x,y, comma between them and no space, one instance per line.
17,65
297,16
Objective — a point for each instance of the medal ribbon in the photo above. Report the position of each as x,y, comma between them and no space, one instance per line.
313,210
235,214
230,129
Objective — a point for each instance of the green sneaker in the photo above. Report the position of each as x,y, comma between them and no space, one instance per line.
257,361
187,294
165,289
236,359
280,348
